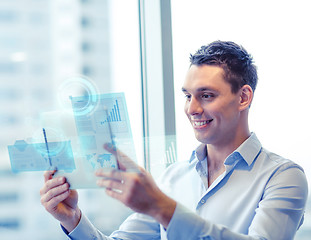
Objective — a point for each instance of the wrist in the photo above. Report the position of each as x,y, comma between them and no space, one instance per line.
164,211
71,224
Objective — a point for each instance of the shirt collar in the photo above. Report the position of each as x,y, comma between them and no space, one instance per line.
248,151
199,153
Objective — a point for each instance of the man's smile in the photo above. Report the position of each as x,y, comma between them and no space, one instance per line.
198,124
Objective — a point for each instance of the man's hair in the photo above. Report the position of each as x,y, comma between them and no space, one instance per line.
236,62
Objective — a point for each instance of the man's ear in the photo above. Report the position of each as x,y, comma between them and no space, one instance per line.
246,97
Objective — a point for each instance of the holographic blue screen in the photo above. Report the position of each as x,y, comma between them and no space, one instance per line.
35,157
102,119
99,119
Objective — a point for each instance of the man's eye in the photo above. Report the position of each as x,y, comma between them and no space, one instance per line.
188,97
206,96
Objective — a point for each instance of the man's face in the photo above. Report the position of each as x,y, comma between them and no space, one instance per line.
211,107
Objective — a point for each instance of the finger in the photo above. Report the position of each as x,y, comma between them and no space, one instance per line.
124,162
52,183
48,175
114,194
54,193
141,169
113,174
53,202
110,184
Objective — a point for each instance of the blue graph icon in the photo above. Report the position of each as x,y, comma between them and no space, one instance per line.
114,115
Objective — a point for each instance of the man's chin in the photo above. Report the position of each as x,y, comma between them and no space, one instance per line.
202,139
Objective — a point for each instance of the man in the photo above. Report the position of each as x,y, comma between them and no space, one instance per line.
231,188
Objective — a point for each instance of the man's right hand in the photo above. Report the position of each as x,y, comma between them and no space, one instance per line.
60,201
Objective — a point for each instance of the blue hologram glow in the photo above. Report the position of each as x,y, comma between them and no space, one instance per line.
99,119
55,135
26,157
78,86
107,123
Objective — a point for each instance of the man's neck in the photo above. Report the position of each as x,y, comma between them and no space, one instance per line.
217,153
216,156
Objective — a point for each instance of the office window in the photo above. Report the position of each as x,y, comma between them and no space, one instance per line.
43,44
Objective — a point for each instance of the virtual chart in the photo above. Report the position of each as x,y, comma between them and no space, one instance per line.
35,157
105,120
98,119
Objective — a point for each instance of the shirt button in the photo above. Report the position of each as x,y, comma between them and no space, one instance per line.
202,201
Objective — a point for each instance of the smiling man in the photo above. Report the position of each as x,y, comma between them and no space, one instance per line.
231,188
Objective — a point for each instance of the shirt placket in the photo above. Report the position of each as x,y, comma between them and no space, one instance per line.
230,163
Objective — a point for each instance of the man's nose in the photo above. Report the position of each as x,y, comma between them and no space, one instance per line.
194,107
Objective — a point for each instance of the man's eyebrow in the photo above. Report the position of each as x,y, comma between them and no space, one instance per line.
201,89
183,89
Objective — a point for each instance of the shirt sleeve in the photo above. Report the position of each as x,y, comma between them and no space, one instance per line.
278,216
137,226
86,230
280,212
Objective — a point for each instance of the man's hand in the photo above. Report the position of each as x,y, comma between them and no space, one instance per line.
60,201
136,189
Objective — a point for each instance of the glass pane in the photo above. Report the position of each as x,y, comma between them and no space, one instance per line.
43,45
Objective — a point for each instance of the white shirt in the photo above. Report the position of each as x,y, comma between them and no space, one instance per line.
259,196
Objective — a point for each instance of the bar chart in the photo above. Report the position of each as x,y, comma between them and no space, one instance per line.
114,115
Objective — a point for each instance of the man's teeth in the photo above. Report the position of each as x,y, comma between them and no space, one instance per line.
200,123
